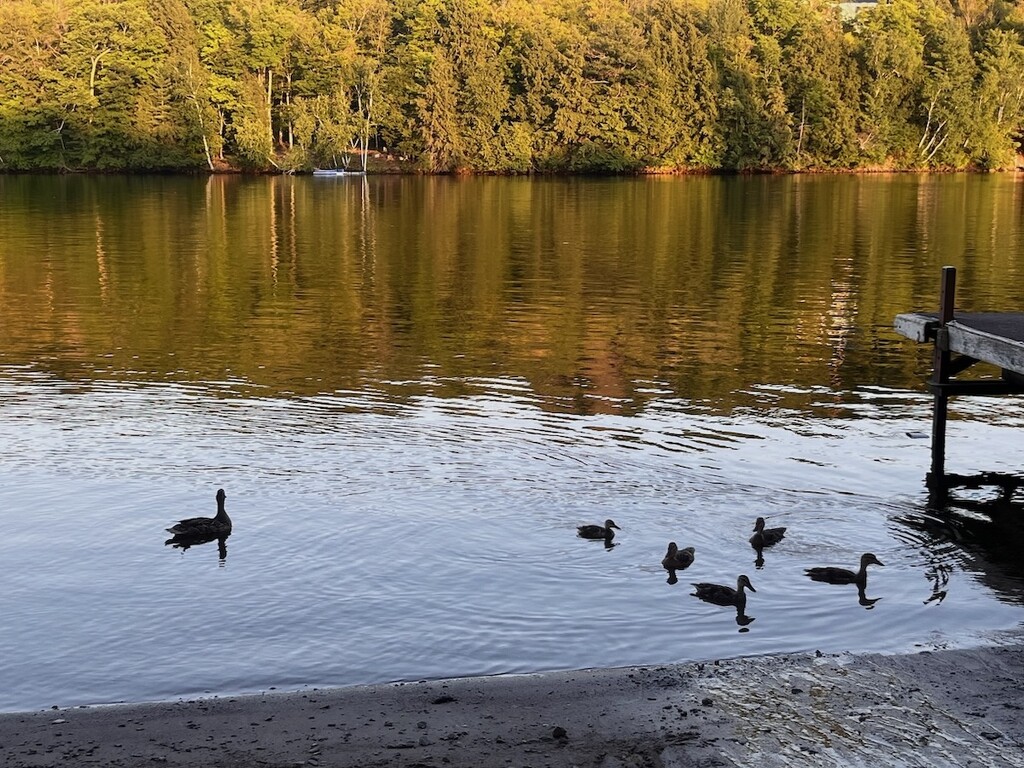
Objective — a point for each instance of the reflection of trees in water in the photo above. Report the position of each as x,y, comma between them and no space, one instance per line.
978,521
598,295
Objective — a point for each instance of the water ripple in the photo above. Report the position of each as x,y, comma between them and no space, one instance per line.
380,539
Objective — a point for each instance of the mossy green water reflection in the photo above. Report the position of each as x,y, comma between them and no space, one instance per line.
597,293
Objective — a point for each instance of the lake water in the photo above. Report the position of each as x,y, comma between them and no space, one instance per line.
414,389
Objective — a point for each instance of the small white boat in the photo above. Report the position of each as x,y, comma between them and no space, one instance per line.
336,172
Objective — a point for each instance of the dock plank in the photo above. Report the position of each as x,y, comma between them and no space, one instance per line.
991,337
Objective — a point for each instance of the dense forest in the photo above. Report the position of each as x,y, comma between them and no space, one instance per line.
510,86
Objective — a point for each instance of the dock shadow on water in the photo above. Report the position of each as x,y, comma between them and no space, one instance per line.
979,519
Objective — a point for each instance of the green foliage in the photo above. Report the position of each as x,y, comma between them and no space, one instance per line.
1001,99
510,86
893,68
822,84
755,124
679,114
947,96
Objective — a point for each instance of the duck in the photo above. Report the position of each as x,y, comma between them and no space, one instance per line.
677,559
842,575
765,537
205,527
719,594
606,531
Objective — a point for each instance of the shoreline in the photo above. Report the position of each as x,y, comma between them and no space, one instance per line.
935,707
397,169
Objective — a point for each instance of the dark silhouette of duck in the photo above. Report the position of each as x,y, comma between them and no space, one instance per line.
606,531
832,575
208,528
677,559
719,594
765,537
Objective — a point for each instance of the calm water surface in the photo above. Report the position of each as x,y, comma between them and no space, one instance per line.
413,390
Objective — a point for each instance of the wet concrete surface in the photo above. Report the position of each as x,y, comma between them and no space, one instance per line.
933,708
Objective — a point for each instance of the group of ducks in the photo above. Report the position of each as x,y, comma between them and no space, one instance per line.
677,559
196,530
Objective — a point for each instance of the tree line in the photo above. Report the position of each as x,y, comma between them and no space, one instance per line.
510,86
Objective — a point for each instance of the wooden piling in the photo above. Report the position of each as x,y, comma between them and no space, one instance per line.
941,376
960,342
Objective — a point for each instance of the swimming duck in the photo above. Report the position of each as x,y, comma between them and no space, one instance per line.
677,559
765,537
842,575
205,527
605,531
719,594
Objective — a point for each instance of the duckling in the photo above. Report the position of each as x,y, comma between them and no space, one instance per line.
205,527
719,594
765,537
677,559
605,531
842,575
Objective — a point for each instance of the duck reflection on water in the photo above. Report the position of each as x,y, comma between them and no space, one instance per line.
743,621
186,542
863,599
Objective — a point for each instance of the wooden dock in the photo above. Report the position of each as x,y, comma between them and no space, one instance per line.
962,339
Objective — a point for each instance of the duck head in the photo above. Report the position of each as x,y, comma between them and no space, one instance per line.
611,524
742,582
759,524
869,559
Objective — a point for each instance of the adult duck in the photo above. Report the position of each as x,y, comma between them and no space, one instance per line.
677,559
719,594
765,537
205,527
842,575
606,531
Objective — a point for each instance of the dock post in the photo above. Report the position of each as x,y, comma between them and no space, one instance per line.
940,377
